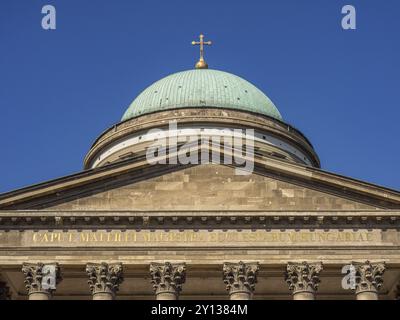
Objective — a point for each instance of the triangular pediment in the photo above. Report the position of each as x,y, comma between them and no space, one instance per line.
210,187
274,185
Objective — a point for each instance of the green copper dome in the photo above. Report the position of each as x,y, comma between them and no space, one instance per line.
202,88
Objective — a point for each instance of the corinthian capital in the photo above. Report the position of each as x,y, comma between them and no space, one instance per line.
41,278
168,278
104,278
303,277
240,277
369,276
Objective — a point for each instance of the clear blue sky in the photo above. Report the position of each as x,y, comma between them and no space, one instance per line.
60,89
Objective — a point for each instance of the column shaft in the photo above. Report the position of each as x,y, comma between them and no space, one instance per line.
39,296
103,296
240,296
166,296
303,296
367,295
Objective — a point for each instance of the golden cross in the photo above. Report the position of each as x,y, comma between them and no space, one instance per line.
201,64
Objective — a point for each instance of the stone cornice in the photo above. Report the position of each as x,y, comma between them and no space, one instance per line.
205,220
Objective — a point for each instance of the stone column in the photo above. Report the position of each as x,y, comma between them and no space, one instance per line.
41,279
104,279
303,279
368,279
240,279
167,279
4,291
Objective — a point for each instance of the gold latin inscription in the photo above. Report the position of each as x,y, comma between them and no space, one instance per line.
258,237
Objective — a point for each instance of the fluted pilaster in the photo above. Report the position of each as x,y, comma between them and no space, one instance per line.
303,279
167,279
41,279
240,279
104,279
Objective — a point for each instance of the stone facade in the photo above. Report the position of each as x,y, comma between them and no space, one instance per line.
211,187
130,230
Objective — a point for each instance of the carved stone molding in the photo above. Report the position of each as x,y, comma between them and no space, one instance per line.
167,279
240,279
5,293
36,275
303,277
369,276
104,279
28,220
